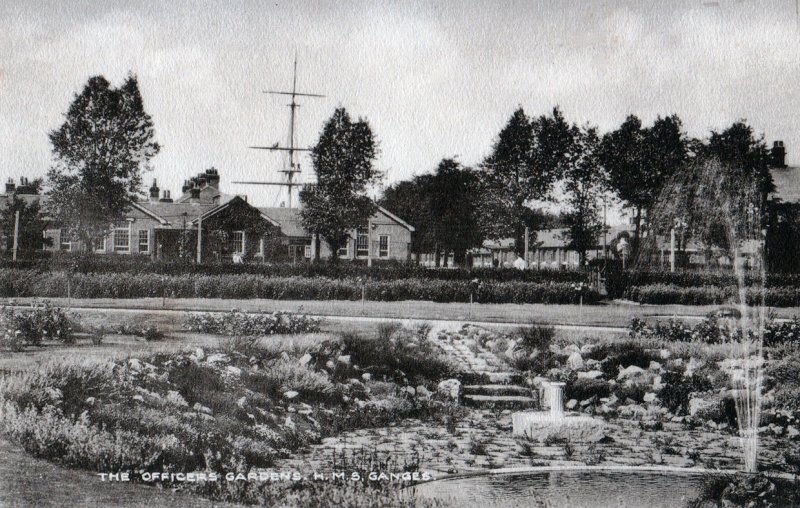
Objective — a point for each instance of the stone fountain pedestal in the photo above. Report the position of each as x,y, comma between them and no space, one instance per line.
555,424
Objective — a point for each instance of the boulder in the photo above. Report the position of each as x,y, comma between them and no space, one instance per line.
569,349
592,374
792,432
201,408
330,365
696,405
173,397
587,349
217,358
575,361
343,359
450,388
571,404
290,394
655,366
199,353
650,397
664,354
242,402
423,392
135,365
305,359
233,371
366,376
628,372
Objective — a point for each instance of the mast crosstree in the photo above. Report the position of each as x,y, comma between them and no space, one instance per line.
293,167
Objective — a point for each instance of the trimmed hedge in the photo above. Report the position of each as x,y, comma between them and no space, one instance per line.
618,282
26,283
381,270
663,294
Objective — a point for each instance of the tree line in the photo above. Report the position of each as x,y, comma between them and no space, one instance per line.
106,142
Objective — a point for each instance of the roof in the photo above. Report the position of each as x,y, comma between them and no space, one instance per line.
173,213
288,219
787,184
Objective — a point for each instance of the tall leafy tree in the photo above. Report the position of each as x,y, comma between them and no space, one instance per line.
583,181
640,160
343,160
453,209
746,155
521,170
410,200
100,152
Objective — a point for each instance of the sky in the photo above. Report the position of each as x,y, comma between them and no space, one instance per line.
434,79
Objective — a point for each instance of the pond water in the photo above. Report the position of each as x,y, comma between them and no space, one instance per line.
577,488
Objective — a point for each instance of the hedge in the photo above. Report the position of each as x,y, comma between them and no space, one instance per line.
711,295
25,283
617,282
382,270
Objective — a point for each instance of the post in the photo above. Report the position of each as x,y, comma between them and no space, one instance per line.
16,235
672,250
369,243
527,244
200,239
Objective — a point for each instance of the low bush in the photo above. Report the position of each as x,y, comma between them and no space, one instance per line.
583,388
713,330
240,323
664,294
30,327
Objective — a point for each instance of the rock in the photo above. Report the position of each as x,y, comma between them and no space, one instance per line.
201,409
592,374
218,358
692,366
450,388
657,385
590,400
343,359
409,390
423,392
628,372
242,402
135,365
587,349
289,424
655,366
664,354
366,376
511,349
173,397
570,348
330,365
792,432
575,361
571,404
305,359
696,404
138,397
649,397
290,394
199,353
594,364
632,410
90,401
285,356
233,371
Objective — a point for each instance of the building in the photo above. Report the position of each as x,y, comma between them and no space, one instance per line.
230,229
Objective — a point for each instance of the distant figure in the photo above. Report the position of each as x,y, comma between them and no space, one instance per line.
520,264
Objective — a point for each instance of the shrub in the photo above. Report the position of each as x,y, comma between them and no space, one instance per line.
583,388
621,354
678,390
243,323
42,321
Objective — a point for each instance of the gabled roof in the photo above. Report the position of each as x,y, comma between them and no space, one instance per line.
396,218
234,200
172,214
288,219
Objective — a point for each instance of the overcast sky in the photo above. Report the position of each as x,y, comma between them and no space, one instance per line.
434,79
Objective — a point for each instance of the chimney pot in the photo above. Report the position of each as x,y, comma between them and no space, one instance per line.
778,154
10,186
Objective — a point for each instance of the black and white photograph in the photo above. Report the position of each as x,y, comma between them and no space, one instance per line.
400,253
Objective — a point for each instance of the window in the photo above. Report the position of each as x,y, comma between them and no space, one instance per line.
100,244
383,246
122,239
65,243
307,252
238,242
344,251
362,243
144,240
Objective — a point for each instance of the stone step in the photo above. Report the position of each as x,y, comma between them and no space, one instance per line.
488,377
496,389
499,401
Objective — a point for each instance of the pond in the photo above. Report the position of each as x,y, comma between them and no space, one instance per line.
573,488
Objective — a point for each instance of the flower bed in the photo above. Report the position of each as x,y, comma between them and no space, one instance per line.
20,328
242,323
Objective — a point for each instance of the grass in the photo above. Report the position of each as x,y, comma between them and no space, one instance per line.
598,315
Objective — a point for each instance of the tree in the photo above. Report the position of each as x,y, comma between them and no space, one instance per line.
343,160
521,169
583,179
100,152
410,200
640,160
453,209
747,156
32,224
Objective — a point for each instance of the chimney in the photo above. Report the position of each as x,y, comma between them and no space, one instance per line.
185,187
10,186
778,153
154,190
201,180
165,197
195,198
212,177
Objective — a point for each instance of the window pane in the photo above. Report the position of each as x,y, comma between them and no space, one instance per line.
383,246
238,242
144,240
122,240
362,243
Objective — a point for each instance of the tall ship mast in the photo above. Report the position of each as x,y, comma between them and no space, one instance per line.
293,167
